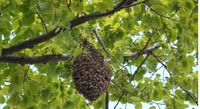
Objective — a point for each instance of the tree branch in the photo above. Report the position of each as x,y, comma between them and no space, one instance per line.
96,15
127,5
34,60
31,42
107,100
75,22
145,51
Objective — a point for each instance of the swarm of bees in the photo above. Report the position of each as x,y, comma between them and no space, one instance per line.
90,74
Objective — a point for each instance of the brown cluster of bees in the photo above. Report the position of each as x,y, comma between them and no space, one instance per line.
90,74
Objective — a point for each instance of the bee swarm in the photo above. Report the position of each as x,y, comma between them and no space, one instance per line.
91,76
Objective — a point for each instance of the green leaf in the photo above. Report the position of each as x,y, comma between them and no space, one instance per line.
152,107
173,5
52,68
150,21
28,18
155,22
90,8
105,5
100,103
129,23
135,99
2,99
157,75
189,4
109,3
14,99
160,9
69,104
119,43
179,104
157,94
173,67
155,2
101,6
45,94
151,63
139,75
138,105
78,7
180,94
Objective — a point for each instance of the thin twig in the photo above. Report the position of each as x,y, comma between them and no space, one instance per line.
136,71
69,2
117,30
158,12
159,60
34,60
119,99
195,99
117,85
158,104
42,20
61,89
25,77
148,41
175,12
121,69
122,89
155,71
101,43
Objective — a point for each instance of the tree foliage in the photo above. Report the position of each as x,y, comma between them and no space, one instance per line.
40,38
